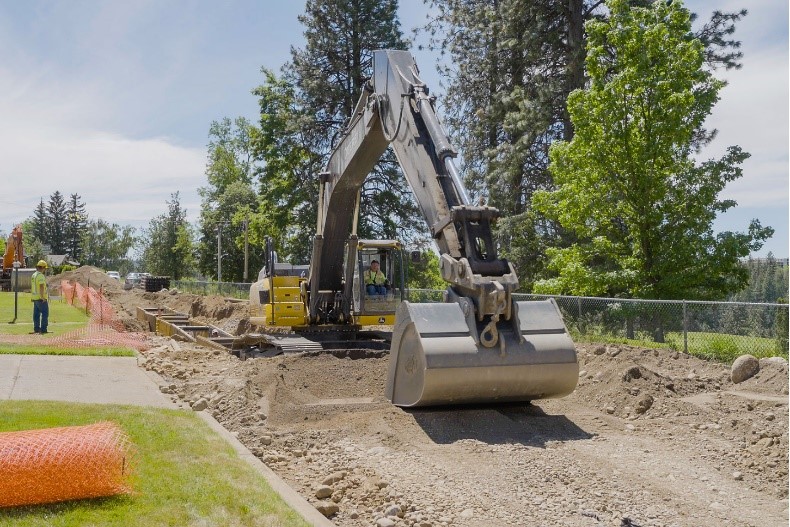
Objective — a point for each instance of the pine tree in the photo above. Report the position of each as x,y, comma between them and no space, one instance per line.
76,223
57,222
41,223
326,78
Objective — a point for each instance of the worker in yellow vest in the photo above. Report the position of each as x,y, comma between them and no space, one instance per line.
40,296
375,280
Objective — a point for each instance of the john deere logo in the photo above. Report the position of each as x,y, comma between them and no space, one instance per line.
382,320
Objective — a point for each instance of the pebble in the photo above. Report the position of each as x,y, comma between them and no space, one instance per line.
385,522
737,476
467,513
200,404
323,491
632,373
327,508
334,477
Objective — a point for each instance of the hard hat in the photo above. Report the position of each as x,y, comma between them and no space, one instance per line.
41,263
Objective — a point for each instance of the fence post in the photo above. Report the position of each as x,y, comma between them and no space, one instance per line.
685,330
579,303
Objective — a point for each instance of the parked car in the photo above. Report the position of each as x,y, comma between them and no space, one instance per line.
114,274
134,280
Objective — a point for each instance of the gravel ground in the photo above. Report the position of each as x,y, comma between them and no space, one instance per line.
649,437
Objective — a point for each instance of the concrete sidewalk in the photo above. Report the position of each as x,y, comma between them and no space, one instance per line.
103,380
118,380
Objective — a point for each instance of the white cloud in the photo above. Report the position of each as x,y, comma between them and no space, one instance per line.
121,180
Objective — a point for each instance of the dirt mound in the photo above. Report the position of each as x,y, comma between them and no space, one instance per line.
89,276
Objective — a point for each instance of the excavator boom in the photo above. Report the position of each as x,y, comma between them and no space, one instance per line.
477,346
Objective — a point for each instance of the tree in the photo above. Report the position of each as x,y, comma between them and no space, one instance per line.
308,109
168,248
76,223
106,245
40,224
514,63
229,199
57,224
641,208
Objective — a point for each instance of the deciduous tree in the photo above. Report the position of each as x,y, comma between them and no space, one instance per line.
628,185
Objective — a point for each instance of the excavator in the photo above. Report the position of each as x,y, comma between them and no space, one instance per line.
477,346
14,253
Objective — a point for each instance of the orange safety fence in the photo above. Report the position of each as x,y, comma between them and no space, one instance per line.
59,464
103,330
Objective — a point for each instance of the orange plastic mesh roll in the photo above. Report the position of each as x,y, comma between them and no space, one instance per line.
59,464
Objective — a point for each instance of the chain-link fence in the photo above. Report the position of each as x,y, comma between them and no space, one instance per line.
723,330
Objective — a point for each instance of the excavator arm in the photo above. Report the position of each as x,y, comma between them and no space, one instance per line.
396,110
498,349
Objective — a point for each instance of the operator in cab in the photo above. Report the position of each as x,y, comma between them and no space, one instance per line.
375,281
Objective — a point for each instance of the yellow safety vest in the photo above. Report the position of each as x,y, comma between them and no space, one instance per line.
37,279
374,279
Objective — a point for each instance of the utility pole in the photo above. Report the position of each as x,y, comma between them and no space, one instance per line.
246,246
219,252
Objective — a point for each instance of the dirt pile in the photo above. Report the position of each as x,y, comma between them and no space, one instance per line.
643,428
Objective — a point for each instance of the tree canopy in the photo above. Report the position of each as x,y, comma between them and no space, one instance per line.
628,184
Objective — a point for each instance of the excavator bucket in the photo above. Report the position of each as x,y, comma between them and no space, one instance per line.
437,358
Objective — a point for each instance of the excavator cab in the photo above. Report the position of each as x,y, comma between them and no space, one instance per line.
372,307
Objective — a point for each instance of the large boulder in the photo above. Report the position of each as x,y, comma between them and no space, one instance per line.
744,367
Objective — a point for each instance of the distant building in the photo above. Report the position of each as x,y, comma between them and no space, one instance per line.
56,260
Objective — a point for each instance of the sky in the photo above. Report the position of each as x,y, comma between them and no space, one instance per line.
113,100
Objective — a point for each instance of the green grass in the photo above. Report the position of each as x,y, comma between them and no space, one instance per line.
713,346
185,474
62,316
62,319
25,349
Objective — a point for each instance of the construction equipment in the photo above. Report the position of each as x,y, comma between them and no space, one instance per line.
279,297
14,254
479,345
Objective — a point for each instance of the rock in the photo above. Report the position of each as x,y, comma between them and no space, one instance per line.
737,476
614,352
610,410
744,367
467,513
774,361
327,508
632,373
323,491
385,522
644,404
770,417
599,350
334,477
582,373
200,404
266,439
393,510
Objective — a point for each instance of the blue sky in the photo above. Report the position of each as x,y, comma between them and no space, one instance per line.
113,100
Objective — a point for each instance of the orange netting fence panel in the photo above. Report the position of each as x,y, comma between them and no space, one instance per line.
103,330
59,464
